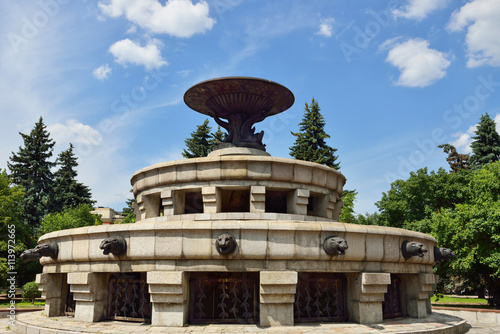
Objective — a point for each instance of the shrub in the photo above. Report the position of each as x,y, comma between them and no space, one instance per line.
30,292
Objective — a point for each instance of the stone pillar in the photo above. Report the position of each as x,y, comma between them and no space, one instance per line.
167,202
418,287
140,207
168,291
277,294
297,202
90,292
257,199
210,204
367,294
52,286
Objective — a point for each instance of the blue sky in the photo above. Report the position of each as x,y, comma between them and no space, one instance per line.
393,79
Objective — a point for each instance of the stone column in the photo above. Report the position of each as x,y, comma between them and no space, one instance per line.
297,202
90,292
367,294
277,294
51,286
418,287
210,204
168,291
167,202
257,199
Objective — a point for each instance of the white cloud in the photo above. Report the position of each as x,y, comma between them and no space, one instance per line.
420,66
463,141
325,28
102,72
482,39
180,18
418,9
128,52
74,132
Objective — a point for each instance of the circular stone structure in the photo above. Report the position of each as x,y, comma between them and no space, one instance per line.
242,101
237,238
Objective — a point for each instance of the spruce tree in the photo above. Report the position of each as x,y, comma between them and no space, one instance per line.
217,137
310,144
68,192
198,145
486,143
455,160
31,169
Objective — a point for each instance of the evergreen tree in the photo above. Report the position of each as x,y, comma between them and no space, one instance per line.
198,145
68,192
217,137
128,212
486,143
30,168
310,143
457,161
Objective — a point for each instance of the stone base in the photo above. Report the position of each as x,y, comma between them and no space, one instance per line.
230,149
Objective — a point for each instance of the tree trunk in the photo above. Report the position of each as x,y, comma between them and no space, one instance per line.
493,289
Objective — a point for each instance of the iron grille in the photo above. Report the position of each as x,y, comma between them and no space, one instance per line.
218,299
128,298
320,297
392,299
69,307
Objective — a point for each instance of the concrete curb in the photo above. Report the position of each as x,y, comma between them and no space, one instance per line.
437,323
472,315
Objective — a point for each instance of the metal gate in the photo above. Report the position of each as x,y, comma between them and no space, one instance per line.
320,297
69,306
128,298
224,298
392,299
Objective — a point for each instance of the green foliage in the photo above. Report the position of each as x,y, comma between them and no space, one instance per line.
12,228
68,192
31,169
423,193
70,218
472,230
310,144
217,137
202,141
30,292
368,219
457,161
486,143
128,212
347,215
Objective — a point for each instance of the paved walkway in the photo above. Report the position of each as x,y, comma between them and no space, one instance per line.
436,323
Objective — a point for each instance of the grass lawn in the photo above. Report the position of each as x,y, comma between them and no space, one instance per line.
453,300
4,305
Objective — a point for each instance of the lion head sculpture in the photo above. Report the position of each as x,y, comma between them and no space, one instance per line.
30,255
225,243
335,245
413,248
48,249
115,245
443,254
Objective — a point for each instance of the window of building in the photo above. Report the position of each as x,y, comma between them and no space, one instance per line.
276,201
317,205
235,200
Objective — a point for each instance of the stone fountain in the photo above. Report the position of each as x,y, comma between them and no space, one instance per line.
237,237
